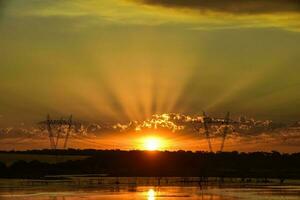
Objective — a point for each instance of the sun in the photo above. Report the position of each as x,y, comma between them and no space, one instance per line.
153,143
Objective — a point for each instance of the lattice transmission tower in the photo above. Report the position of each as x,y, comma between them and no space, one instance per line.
58,129
207,132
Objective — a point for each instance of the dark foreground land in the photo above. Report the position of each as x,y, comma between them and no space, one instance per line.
154,164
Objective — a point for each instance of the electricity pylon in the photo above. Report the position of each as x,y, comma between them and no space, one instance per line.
225,131
208,120
58,124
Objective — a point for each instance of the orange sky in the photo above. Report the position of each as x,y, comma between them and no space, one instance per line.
118,61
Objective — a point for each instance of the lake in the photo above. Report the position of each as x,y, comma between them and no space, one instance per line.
115,192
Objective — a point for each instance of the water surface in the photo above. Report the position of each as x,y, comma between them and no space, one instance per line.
154,193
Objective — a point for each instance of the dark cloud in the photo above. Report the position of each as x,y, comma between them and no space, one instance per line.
230,6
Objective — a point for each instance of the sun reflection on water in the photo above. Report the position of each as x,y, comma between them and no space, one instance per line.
151,194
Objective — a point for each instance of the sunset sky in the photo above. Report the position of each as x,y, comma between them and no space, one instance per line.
116,61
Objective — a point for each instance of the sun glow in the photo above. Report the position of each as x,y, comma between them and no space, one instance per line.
153,143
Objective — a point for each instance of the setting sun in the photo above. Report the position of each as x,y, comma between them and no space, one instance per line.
153,143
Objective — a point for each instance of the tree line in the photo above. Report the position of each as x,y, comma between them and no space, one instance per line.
159,164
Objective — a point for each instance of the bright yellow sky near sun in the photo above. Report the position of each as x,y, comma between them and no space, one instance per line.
152,143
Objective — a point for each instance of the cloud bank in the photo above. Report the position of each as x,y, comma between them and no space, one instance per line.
196,15
180,128
231,6
229,14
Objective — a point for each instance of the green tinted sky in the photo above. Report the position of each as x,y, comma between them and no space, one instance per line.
125,59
